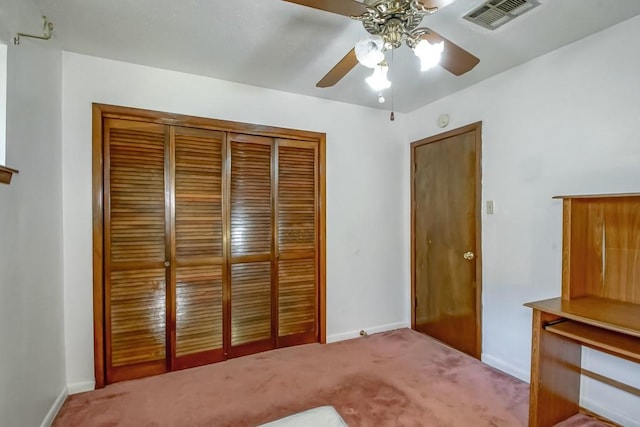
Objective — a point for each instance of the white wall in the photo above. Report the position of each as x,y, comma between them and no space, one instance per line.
366,257
32,368
3,102
565,123
15,16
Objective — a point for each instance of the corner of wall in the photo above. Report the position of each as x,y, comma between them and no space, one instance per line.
505,367
81,387
55,408
372,330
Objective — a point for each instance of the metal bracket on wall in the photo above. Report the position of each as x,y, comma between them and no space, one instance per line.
47,31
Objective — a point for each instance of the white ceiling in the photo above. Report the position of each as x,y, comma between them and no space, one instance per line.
285,46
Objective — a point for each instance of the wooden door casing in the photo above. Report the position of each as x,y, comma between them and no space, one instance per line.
446,287
194,276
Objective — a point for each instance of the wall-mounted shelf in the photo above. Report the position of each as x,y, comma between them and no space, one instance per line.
6,174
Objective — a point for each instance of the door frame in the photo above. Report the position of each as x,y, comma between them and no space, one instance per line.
477,129
100,112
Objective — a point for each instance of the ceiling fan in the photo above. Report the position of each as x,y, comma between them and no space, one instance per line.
391,23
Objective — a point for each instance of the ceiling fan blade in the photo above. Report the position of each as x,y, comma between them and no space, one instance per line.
341,7
454,59
340,70
436,3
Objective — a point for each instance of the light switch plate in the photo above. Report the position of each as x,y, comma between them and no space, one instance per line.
490,207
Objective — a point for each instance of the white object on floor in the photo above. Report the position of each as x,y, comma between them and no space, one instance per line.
324,416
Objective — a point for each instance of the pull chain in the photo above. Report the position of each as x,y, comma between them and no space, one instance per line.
392,116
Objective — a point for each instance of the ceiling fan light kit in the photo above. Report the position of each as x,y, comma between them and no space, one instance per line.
379,80
428,53
370,51
390,24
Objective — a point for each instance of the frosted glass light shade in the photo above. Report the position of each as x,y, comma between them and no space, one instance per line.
428,53
378,80
369,51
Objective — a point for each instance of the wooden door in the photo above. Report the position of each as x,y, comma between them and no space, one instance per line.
252,286
136,249
198,256
446,238
208,244
296,241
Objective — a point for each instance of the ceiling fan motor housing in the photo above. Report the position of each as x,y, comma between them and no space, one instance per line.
395,20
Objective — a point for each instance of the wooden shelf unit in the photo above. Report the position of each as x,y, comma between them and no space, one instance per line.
6,173
600,303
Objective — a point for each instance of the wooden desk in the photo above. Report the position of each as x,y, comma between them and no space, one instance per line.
560,328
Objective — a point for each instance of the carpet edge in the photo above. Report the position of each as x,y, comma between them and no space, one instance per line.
607,413
370,330
506,367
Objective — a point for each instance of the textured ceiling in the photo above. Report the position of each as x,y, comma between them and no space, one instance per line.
284,46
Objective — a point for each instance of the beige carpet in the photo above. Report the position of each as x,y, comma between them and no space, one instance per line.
396,378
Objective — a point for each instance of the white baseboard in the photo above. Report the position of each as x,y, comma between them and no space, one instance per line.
506,367
607,413
76,388
55,408
371,330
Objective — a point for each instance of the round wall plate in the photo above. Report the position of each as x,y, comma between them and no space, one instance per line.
443,120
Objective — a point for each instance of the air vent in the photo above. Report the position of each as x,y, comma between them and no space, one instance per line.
495,13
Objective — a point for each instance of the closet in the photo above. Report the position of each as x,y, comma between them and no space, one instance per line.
208,241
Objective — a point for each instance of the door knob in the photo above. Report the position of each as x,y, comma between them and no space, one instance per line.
167,263
469,255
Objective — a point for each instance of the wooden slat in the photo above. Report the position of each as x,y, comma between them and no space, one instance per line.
250,302
136,194
138,316
296,199
297,296
251,197
198,194
198,309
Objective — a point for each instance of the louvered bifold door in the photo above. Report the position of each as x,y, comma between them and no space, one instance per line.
198,253
135,252
251,245
297,242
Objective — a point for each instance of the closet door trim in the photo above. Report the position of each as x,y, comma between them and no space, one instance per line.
104,111
126,113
